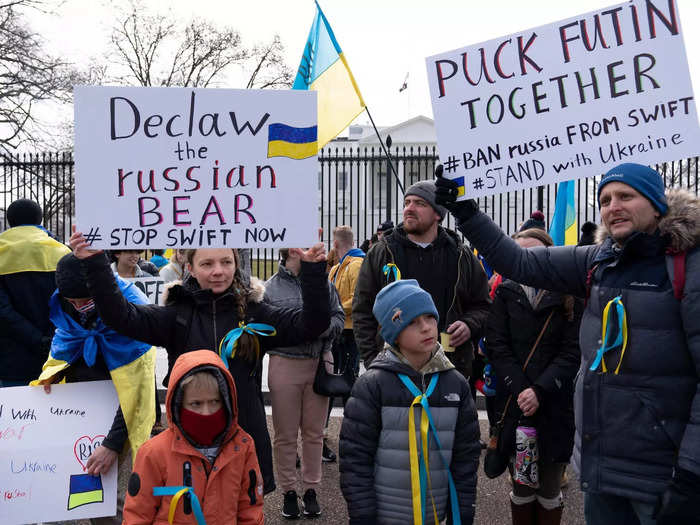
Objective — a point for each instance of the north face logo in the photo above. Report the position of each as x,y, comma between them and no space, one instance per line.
452,396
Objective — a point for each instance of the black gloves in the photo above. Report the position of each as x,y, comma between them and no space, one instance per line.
679,503
446,195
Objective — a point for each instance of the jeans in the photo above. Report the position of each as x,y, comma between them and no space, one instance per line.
605,509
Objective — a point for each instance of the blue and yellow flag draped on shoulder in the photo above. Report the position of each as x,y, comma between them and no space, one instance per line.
29,249
131,363
564,228
325,70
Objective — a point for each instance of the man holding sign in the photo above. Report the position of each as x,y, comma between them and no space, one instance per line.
637,401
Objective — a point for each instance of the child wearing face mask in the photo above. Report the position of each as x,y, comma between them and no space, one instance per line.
84,349
203,468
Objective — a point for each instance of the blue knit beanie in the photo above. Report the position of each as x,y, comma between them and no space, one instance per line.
400,303
642,178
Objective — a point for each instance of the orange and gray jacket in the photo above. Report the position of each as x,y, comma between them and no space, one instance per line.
229,490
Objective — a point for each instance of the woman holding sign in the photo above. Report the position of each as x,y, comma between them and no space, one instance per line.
214,308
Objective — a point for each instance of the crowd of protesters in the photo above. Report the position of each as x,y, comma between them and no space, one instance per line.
588,353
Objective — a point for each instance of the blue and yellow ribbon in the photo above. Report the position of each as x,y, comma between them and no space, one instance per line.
228,345
420,467
177,493
621,339
391,271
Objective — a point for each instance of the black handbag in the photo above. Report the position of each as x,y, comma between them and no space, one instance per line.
333,384
496,460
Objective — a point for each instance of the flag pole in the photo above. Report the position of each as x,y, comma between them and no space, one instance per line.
386,152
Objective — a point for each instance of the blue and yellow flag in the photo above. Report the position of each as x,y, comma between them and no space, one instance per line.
84,489
564,228
288,141
131,363
324,69
460,186
29,249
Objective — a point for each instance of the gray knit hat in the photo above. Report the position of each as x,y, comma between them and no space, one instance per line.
425,189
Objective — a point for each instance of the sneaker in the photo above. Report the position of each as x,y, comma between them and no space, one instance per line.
311,507
327,455
290,508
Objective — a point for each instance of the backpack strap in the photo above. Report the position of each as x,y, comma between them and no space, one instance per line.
675,265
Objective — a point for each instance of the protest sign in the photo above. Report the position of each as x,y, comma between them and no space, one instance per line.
151,286
565,100
187,168
45,442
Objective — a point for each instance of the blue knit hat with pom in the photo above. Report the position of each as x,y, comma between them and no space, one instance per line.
642,178
400,303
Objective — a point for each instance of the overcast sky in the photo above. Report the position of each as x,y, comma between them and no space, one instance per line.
382,39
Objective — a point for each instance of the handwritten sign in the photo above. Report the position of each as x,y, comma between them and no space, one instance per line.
45,442
187,168
565,100
152,287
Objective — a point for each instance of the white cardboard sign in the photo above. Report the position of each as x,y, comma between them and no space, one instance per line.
45,441
565,100
187,168
152,287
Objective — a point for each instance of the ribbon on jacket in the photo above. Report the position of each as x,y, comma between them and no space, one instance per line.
177,493
229,344
614,307
391,271
420,467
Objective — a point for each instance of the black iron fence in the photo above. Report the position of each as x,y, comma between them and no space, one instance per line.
356,186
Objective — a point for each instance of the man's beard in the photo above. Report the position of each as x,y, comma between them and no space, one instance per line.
417,227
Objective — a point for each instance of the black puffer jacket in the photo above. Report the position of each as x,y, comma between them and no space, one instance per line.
512,329
195,319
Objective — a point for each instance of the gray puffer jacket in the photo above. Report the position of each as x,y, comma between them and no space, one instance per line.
284,290
632,427
375,471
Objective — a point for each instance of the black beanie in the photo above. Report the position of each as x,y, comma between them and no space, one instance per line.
23,212
70,280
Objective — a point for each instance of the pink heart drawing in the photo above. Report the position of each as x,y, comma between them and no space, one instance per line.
84,447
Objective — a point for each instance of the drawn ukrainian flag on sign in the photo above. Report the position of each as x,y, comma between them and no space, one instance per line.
288,141
563,228
84,489
325,70
460,186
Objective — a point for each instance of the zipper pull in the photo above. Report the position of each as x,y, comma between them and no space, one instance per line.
187,482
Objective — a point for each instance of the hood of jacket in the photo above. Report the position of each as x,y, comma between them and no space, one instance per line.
191,362
680,227
189,287
391,359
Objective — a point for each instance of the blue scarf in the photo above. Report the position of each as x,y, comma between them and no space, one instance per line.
71,340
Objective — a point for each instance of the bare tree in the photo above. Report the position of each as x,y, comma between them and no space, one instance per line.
28,76
154,50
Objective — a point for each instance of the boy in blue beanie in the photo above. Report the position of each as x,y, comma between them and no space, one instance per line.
410,400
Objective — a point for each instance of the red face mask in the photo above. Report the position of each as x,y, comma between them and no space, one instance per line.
203,429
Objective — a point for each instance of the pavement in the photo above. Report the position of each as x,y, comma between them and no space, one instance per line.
492,503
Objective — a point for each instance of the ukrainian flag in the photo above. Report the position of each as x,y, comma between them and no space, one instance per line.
131,363
287,141
84,489
460,186
324,69
564,228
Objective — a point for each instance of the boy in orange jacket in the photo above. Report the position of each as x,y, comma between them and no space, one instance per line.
203,468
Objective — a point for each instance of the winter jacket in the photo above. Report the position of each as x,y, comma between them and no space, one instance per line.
193,319
229,490
173,271
138,272
631,427
513,327
28,257
375,472
344,276
446,269
284,290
